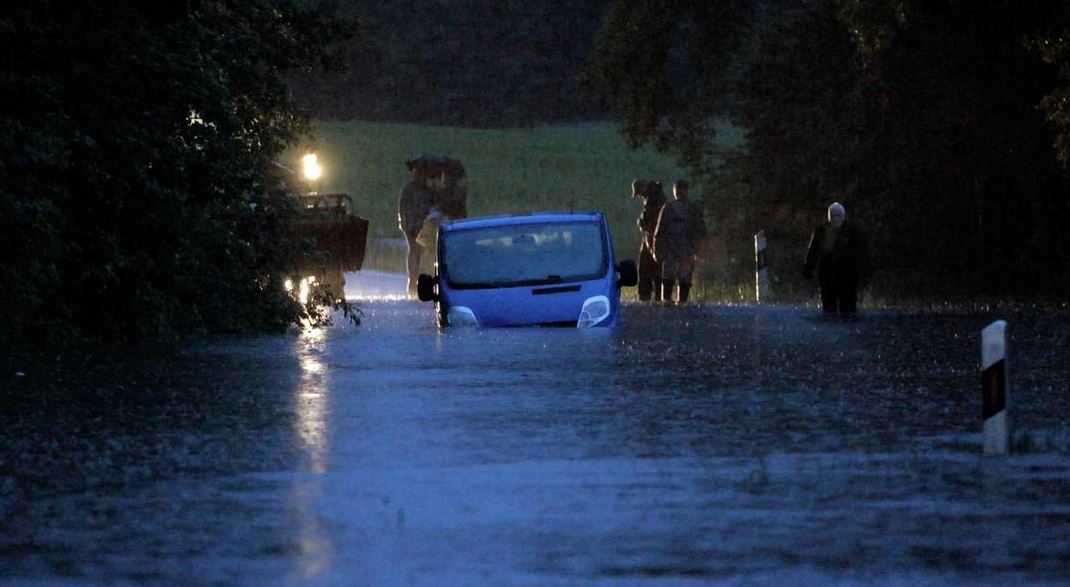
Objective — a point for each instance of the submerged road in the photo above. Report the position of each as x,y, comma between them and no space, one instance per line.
696,445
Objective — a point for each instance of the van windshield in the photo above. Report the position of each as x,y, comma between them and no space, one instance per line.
523,254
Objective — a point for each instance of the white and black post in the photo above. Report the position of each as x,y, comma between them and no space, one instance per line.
761,270
996,430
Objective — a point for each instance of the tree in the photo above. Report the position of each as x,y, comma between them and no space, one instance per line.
1054,48
135,190
974,179
461,62
922,117
666,70
808,132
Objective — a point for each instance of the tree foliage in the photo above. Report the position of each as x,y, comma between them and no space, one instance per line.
137,139
934,122
665,68
1053,45
479,63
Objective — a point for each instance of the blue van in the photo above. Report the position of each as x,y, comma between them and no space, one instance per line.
540,269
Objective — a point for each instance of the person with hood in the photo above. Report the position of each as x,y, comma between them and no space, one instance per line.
839,252
653,197
678,240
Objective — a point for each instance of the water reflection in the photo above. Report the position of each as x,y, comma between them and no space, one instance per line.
692,445
372,285
311,401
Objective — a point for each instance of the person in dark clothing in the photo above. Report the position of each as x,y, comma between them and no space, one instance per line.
678,240
437,192
452,197
839,253
653,197
414,206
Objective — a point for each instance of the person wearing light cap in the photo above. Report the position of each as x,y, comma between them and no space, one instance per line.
839,253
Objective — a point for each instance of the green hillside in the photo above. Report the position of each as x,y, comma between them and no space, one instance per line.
510,170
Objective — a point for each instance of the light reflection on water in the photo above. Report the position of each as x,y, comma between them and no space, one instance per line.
692,445
311,397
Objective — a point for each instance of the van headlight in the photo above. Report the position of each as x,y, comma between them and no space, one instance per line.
595,310
461,316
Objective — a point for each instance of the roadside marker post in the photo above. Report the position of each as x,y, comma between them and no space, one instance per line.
761,271
995,429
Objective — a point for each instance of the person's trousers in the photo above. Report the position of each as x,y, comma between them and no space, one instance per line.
649,275
840,300
666,290
676,270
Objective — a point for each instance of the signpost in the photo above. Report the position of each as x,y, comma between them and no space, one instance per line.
761,272
995,429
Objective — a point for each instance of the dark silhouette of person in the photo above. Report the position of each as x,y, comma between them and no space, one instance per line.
653,197
452,196
678,239
414,206
839,252
436,193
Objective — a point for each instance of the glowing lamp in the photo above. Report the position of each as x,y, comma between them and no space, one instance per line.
311,167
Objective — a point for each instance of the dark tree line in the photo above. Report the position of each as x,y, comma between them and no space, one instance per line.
136,143
942,126
484,63
136,189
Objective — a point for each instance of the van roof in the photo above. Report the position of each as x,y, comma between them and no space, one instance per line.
526,218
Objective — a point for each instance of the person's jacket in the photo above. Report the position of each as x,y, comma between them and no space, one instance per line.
648,218
414,203
839,255
452,200
680,230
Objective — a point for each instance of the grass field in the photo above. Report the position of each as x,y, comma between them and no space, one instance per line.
509,170
580,166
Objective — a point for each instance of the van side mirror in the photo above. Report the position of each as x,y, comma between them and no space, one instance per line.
425,288
629,275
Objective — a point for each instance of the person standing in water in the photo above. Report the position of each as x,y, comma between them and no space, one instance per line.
678,239
414,206
838,252
653,197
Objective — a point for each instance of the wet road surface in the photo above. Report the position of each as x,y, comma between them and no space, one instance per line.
695,445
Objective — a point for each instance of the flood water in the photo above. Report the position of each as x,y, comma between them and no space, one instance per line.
705,444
